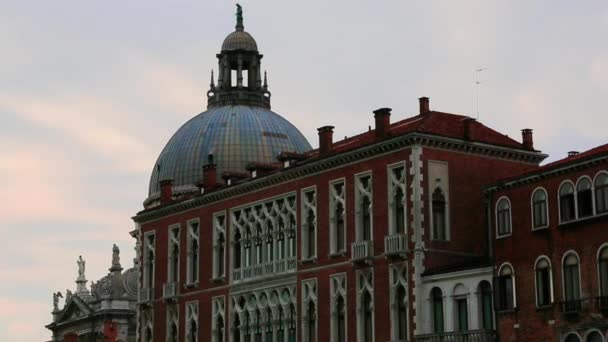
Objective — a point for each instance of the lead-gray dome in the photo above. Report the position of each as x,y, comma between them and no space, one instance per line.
236,135
239,40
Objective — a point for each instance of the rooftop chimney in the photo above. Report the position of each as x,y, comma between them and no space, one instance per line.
209,173
424,105
166,191
383,121
326,135
527,138
572,153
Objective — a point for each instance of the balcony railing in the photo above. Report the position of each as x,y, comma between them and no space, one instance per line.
361,251
460,336
265,269
572,306
170,290
395,244
145,295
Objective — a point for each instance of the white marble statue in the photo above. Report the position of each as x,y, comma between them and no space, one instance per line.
81,268
56,297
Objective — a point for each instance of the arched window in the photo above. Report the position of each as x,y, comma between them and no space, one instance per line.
236,329
439,215
269,324
539,208
566,202
399,211
594,336
366,302
173,332
237,250
401,314
503,217
247,247
220,329
221,246
461,307
572,338
341,320
584,197
485,300
292,324
269,243
311,236
339,215
193,336
544,282
505,288
572,288
148,334
437,300
601,193
603,275
312,322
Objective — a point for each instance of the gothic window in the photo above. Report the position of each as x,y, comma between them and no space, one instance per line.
291,328
236,328
148,326
309,312
217,323
192,322
601,193
584,197
486,309
173,271
338,307
398,305
247,247
572,288
437,310
172,323
149,259
396,199
503,217
269,325
566,202
219,245
439,218
309,223
365,305
603,273
544,282
505,288
337,217
363,198
237,250
539,208
270,243
193,252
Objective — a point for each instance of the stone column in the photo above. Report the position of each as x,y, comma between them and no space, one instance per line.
239,73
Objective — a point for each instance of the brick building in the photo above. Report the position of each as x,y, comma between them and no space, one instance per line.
551,249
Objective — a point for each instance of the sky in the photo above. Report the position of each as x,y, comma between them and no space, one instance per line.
90,91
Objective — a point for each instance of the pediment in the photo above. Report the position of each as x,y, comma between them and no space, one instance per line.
74,309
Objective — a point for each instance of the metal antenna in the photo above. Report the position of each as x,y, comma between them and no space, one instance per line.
477,83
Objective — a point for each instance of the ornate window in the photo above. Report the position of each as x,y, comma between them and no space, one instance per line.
309,310
566,202
602,262
192,322
601,193
544,282
437,310
173,255
396,199
363,211
218,319
172,323
505,288
149,259
193,252
147,326
572,285
503,217
338,307
309,223
539,209
337,216
584,197
439,215
484,291
219,245
398,302
365,305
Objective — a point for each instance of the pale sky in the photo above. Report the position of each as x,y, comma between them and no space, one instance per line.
90,91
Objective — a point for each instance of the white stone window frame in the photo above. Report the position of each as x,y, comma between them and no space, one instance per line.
580,271
448,227
597,265
365,284
595,179
309,294
172,317
218,307
464,293
192,313
148,323
191,235
551,290
217,230
513,281
510,228
334,199
559,201
304,208
392,184
173,241
398,274
591,331
146,269
338,289
360,193
540,188
592,189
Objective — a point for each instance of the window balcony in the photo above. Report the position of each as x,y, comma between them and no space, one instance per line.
237,275
170,290
146,294
395,245
572,307
361,251
460,336
266,269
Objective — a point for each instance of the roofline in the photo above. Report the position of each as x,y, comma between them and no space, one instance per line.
315,166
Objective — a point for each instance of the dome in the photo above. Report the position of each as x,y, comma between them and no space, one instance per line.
239,40
235,134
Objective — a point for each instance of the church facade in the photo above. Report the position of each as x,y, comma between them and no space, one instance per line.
249,234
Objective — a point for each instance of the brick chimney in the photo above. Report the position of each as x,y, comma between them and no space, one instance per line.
383,121
527,138
468,128
326,136
424,105
166,191
209,173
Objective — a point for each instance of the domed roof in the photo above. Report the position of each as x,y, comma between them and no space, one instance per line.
239,40
235,134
